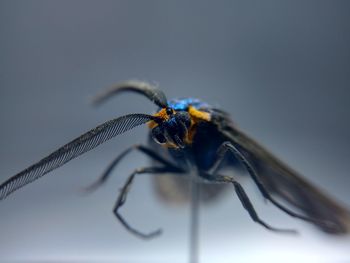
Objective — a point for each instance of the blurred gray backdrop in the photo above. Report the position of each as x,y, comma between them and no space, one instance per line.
281,68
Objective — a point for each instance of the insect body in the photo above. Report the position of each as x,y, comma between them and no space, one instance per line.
186,134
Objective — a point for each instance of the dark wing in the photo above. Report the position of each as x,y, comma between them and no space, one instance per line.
286,183
80,145
151,92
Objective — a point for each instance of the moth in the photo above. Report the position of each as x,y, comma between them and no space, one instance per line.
188,134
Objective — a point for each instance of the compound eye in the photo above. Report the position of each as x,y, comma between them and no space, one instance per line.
158,135
169,111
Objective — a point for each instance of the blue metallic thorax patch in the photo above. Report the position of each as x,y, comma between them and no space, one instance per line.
182,104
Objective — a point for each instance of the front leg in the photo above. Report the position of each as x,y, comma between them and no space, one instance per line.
143,149
123,194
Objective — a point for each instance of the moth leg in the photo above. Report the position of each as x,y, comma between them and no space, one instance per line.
249,207
228,146
123,194
143,149
243,197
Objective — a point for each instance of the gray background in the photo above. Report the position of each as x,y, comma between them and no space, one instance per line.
281,68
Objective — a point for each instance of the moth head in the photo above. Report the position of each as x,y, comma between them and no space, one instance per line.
173,128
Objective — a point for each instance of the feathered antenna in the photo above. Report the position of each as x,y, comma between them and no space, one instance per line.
151,92
73,149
